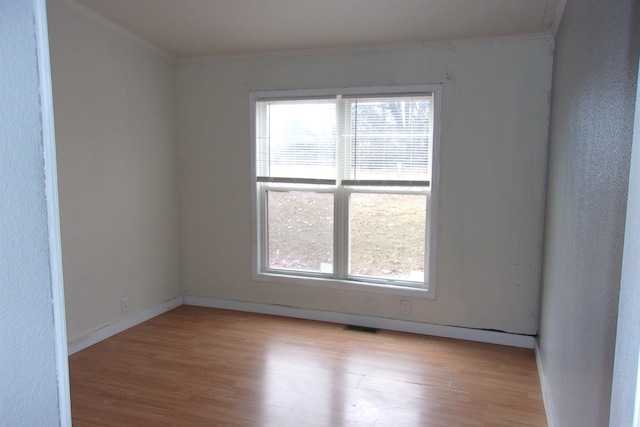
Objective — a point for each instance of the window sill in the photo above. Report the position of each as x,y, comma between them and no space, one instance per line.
346,285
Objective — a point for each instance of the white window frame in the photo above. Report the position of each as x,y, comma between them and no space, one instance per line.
259,271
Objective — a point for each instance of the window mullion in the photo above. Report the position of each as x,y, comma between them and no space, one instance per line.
341,216
342,233
263,230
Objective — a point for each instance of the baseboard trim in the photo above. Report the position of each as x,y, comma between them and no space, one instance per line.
469,334
546,391
115,328
479,335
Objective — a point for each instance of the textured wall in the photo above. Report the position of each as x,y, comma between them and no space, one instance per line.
28,378
491,188
627,352
115,113
594,81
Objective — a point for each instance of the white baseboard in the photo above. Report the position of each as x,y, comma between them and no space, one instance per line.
110,330
546,391
492,337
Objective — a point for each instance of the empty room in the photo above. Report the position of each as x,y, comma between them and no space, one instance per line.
320,213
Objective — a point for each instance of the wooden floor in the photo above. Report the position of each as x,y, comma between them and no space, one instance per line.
198,366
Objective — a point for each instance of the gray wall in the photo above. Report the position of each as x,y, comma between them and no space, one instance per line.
625,373
29,369
594,82
495,111
115,109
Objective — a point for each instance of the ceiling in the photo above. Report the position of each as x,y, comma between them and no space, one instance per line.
195,28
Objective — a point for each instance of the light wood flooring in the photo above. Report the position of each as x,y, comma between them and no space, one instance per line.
197,366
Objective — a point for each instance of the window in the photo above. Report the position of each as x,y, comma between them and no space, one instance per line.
344,186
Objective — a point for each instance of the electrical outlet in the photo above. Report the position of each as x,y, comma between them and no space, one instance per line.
124,304
405,307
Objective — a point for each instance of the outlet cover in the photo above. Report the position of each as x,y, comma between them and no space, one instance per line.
405,307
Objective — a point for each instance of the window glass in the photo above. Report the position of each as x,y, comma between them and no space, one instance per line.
388,138
297,139
387,235
300,235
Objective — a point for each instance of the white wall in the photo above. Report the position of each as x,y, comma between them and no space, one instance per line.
33,371
492,175
595,74
115,112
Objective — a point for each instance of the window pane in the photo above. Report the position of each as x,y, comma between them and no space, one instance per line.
300,230
388,138
387,236
296,139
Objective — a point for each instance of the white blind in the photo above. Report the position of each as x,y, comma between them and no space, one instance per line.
388,138
296,140
375,140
